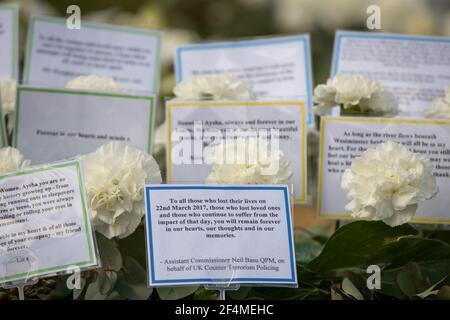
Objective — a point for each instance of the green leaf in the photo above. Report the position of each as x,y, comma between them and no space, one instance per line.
444,293
131,282
114,295
300,293
109,253
349,288
175,293
106,281
239,294
354,244
431,291
411,249
133,246
307,251
134,272
93,292
204,294
335,295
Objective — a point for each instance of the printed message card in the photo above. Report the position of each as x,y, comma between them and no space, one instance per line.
345,138
276,67
219,234
57,54
55,124
44,223
9,29
194,126
415,69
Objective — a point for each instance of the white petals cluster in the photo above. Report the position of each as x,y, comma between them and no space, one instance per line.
353,90
213,87
94,83
8,89
387,183
115,176
440,108
11,159
247,161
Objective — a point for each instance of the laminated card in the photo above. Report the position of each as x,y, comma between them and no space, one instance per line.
195,125
44,223
415,69
55,124
57,54
345,138
219,235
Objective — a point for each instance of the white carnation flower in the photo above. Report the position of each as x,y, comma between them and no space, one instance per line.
387,183
440,108
247,161
353,90
213,87
115,177
8,89
95,83
11,160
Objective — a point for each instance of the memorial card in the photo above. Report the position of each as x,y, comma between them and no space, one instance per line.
276,67
57,54
44,223
192,124
415,69
219,235
9,29
55,124
345,138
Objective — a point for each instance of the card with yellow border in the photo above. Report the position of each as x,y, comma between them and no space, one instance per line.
192,125
345,138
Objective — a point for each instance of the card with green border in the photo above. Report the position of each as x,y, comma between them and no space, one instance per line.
56,124
44,223
9,28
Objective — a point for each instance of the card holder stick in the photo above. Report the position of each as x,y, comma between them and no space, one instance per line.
222,288
20,286
22,262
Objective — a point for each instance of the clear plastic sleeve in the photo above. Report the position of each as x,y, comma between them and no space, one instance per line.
192,256
45,228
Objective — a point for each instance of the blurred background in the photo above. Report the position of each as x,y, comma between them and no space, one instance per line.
187,21
184,21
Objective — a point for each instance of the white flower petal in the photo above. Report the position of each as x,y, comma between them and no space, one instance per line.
258,163
214,87
11,160
95,83
115,177
387,183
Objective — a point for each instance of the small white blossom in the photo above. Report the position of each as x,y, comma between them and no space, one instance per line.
115,177
353,90
213,87
11,160
440,108
387,183
247,161
94,83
